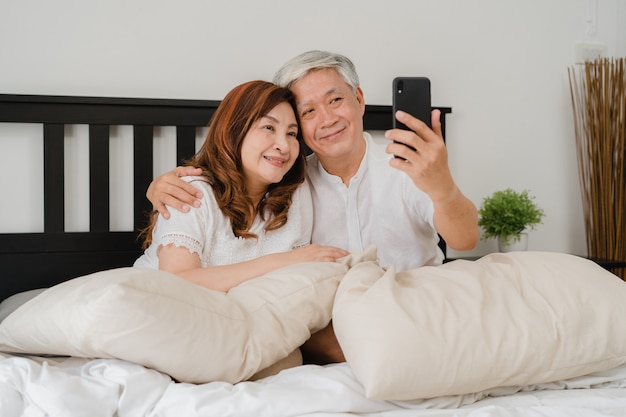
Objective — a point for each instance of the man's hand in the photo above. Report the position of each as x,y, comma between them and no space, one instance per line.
426,160
171,190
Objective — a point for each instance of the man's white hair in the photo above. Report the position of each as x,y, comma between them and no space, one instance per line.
301,65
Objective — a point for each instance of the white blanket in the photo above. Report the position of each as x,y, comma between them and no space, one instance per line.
58,387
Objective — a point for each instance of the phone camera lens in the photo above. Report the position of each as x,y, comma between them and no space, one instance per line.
400,87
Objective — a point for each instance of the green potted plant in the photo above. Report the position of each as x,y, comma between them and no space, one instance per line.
506,214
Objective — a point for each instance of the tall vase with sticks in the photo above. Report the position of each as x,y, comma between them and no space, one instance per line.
598,90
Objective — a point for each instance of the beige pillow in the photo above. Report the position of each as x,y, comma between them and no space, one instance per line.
504,320
164,322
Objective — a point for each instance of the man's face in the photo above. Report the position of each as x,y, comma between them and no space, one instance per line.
331,115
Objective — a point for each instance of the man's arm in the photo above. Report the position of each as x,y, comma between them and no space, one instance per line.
426,163
171,190
456,220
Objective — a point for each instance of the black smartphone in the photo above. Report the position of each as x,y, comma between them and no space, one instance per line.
412,95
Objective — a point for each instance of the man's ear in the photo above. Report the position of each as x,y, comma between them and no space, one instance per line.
360,98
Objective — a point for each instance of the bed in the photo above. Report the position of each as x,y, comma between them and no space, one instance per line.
561,309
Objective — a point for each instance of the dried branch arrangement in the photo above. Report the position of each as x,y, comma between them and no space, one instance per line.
598,90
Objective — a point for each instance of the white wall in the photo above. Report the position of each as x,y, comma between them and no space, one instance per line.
501,66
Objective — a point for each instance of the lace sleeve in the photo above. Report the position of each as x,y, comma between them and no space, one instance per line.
193,230
181,240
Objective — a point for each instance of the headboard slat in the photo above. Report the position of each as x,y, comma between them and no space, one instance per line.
142,172
185,143
54,184
99,178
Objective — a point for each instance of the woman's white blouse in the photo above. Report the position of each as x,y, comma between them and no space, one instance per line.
206,231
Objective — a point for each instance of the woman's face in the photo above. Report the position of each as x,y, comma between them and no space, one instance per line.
270,148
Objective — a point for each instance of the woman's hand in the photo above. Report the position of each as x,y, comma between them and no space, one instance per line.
317,253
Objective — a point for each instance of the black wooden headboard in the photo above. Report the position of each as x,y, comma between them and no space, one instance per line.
37,260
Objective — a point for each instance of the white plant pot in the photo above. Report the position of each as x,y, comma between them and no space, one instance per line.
514,245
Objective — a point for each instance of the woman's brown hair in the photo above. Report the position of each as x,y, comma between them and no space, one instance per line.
220,160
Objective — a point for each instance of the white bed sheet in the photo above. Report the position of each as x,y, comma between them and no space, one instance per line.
106,387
